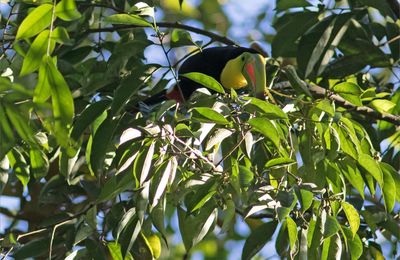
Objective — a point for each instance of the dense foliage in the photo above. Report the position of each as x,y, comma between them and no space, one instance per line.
314,168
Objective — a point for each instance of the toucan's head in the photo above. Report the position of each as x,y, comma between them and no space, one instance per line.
247,69
234,67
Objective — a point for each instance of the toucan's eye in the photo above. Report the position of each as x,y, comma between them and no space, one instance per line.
242,58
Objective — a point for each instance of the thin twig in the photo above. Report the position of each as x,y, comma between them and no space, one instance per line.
214,36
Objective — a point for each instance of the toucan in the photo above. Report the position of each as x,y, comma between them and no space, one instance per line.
234,67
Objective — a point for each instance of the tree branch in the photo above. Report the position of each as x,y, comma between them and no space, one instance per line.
213,36
367,111
320,92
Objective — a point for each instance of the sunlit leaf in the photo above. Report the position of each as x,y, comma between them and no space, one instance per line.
382,105
36,52
205,80
354,243
371,166
350,92
129,19
181,38
37,20
267,109
352,217
67,11
39,163
292,231
330,225
389,189
60,35
208,115
279,162
265,127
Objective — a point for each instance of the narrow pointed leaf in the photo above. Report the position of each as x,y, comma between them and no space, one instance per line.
36,21
205,80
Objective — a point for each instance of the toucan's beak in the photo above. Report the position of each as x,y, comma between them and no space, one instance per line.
254,72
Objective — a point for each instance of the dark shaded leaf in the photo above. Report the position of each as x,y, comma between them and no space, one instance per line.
257,239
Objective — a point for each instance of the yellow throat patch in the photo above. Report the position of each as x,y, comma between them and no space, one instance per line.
231,76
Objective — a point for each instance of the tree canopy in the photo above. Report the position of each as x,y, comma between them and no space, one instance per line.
312,171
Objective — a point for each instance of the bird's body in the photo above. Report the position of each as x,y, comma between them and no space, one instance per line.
211,62
234,67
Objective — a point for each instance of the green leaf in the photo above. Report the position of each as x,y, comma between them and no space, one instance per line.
38,49
352,216
388,189
330,225
283,212
42,89
100,145
115,250
265,127
382,105
290,27
268,110
194,228
87,117
129,87
396,177
6,133
306,199
316,43
60,35
129,236
83,232
282,5
157,215
202,194
326,106
147,163
217,137
20,124
208,115
114,186
129,19
296,82
127,218
205,80
354,243
350,92
160,181
63,104
19,166
181,38
229,216
347,88
292,231
257,239
279,162
350,170
67,11
371,166
282,240
39,163
246,176
35,22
